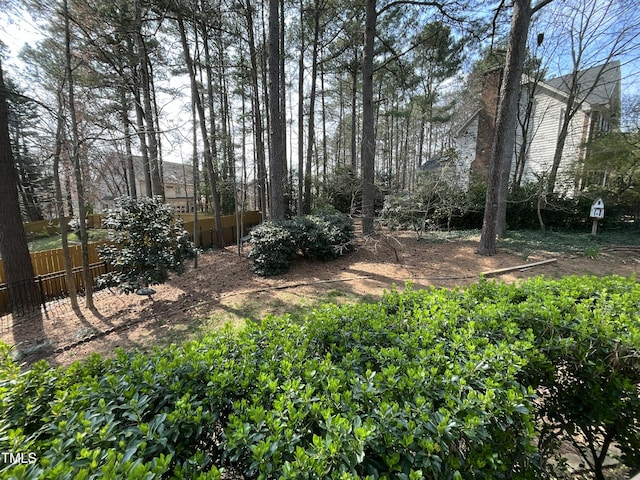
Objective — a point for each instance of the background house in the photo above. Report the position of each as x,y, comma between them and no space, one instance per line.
177,179
111,182
595,95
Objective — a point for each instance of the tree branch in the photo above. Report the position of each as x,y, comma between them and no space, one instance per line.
494,22
542,4
438,5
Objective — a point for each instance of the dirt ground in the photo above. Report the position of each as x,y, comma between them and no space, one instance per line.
223,289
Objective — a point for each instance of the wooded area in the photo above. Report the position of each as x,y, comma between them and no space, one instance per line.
286,107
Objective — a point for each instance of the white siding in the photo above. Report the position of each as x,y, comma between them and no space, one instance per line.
545,128
544,134
466,147
548,111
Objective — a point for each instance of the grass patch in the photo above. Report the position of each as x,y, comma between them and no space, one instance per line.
450,236
237,312
55,241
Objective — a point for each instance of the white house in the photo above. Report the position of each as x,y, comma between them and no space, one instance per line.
111,182
598,106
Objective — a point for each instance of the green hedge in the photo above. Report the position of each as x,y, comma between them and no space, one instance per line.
425,384
323,236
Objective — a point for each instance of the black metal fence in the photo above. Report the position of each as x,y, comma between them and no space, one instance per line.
21,297
28,296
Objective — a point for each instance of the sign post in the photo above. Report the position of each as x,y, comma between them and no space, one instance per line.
597,213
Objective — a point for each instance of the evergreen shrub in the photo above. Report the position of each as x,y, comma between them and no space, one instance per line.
587,361
323,236
272,248
146,243
425,384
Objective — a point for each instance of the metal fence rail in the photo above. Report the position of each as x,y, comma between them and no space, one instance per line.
28,296
50,282
21,297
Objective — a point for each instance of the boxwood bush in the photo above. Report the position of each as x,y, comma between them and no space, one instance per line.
424,384
323,236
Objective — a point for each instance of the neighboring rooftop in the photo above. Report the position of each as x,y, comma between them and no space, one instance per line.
605,77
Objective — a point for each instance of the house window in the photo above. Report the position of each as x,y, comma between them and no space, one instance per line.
604,125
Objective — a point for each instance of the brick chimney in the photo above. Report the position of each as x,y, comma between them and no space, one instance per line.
491,81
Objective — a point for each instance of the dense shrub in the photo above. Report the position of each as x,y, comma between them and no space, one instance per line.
323,236
587,364
425,384
310,239
146,243
272,249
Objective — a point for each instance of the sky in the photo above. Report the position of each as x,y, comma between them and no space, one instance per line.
17,30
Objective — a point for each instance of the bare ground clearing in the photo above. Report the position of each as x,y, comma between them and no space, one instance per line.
223,289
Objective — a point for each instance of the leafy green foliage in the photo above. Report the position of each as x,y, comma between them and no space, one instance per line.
435,203
613,160
323,236
566,242
587,365
438,203
146,244
590,351
272,248
425,384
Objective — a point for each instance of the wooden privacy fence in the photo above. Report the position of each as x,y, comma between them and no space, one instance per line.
207,235
48,265
48,262
51,227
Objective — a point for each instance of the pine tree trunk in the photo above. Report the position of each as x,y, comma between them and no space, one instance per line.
210,143
18,269
283,108
354,110
257,113
213,175
68,265
77,167
276,157
312,108
146,108
196,167
504,136
124,116
301,171
325,154
368,132
144,151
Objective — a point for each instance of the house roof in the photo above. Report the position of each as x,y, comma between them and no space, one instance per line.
607,78
601,83
172,172
177,172
463,126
